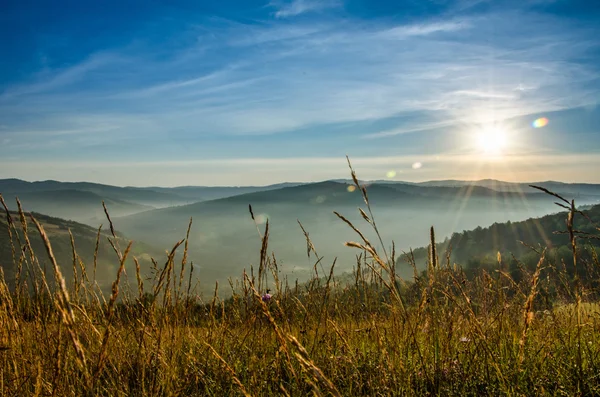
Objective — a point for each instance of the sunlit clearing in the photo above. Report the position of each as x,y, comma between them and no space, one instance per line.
492,140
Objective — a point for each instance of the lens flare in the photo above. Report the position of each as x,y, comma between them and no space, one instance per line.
391,174
539,123
320,199
261,218
417,165
351,188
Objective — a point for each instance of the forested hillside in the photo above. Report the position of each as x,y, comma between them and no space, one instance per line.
519,242
57,229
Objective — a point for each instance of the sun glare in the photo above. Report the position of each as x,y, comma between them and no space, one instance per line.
492,140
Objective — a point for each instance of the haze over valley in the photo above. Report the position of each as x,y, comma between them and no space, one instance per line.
224,239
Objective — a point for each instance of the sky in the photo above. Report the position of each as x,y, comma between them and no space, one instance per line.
254,92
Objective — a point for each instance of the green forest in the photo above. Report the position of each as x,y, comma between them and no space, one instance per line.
513,245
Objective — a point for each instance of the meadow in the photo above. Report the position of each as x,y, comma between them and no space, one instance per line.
371,332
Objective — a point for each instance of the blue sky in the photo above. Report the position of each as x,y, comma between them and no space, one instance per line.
258,92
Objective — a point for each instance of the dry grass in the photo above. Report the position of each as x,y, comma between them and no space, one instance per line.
439,334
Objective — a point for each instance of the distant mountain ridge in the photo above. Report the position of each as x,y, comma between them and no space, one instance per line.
81,201
224,238
558,187
153,196
136,195
204,193
195,191
588,189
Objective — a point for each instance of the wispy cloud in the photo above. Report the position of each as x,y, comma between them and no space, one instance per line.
424,29
47,81
398,131
297,7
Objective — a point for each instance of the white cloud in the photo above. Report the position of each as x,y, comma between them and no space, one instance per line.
275,34
297,7
424,29
48,81
421,128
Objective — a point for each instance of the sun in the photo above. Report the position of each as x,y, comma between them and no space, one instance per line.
492,140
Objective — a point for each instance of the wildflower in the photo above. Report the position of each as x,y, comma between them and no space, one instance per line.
464,339
266,296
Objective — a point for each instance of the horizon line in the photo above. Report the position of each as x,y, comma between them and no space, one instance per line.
335,180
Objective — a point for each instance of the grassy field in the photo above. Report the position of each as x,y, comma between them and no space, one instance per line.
441,333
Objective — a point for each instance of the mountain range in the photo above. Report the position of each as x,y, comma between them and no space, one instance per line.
224,237
81,201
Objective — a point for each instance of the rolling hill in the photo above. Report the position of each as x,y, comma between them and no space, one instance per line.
78,205
204,193
141,196
479,247
82,201
85,242
581,191
224,239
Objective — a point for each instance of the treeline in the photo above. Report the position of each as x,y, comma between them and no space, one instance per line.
512,246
